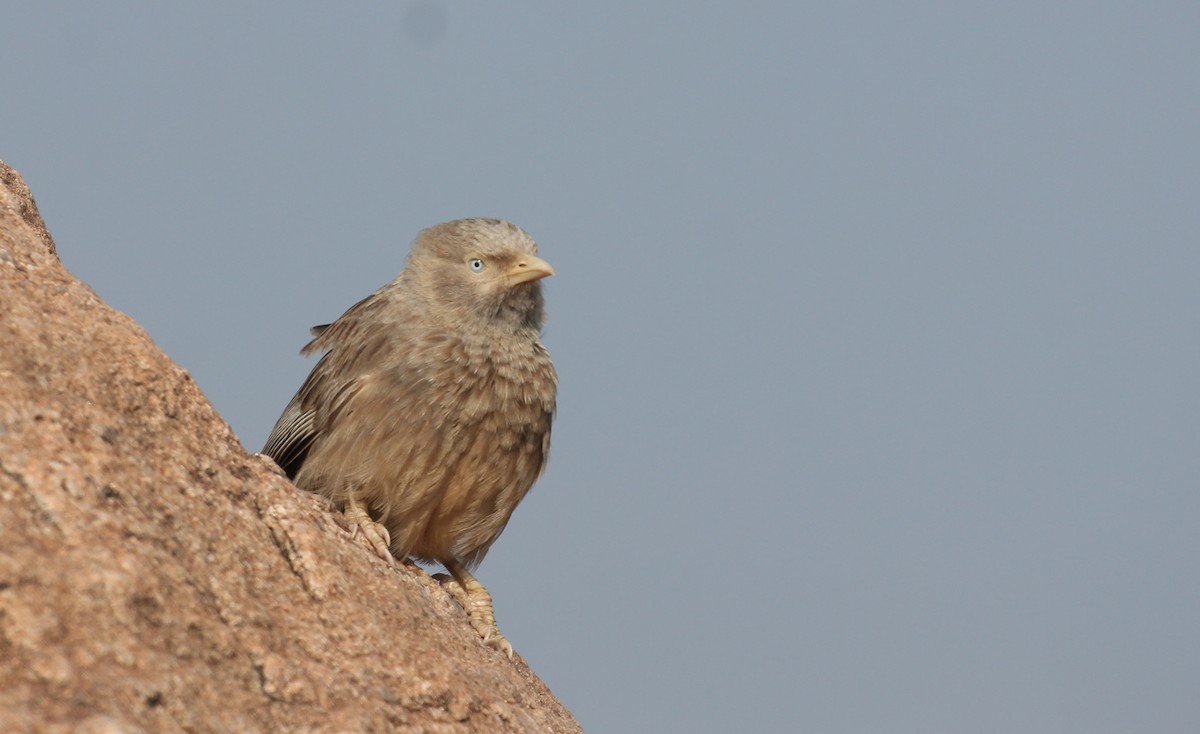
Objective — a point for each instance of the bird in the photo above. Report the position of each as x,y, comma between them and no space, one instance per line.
427,418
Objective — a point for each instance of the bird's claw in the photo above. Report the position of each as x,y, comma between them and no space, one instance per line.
477,602
496,641
375,534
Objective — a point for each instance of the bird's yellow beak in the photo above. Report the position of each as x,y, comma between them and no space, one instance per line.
527,269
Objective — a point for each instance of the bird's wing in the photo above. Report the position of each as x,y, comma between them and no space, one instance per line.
292,436
300,424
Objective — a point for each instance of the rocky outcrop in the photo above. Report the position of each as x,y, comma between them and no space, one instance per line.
154,577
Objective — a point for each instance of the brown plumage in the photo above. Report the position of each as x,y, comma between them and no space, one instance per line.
428,417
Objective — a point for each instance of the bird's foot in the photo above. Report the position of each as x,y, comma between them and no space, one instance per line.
375,534
476,600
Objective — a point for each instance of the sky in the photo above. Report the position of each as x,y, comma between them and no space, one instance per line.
876,323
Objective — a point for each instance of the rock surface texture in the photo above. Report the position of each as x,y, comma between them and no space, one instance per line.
154,577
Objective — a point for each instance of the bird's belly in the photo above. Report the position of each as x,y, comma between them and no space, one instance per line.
454,498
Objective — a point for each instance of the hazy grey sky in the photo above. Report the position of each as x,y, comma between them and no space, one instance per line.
877,323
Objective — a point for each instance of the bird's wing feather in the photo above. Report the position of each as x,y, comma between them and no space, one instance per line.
301,424
291,437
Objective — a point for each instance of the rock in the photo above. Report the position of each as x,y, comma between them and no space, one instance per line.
154,577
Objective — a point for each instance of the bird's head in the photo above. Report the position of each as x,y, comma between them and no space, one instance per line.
482,268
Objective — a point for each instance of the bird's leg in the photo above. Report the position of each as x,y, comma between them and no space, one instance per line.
468,592
376,535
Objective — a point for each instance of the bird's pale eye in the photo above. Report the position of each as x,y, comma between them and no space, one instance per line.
476,265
